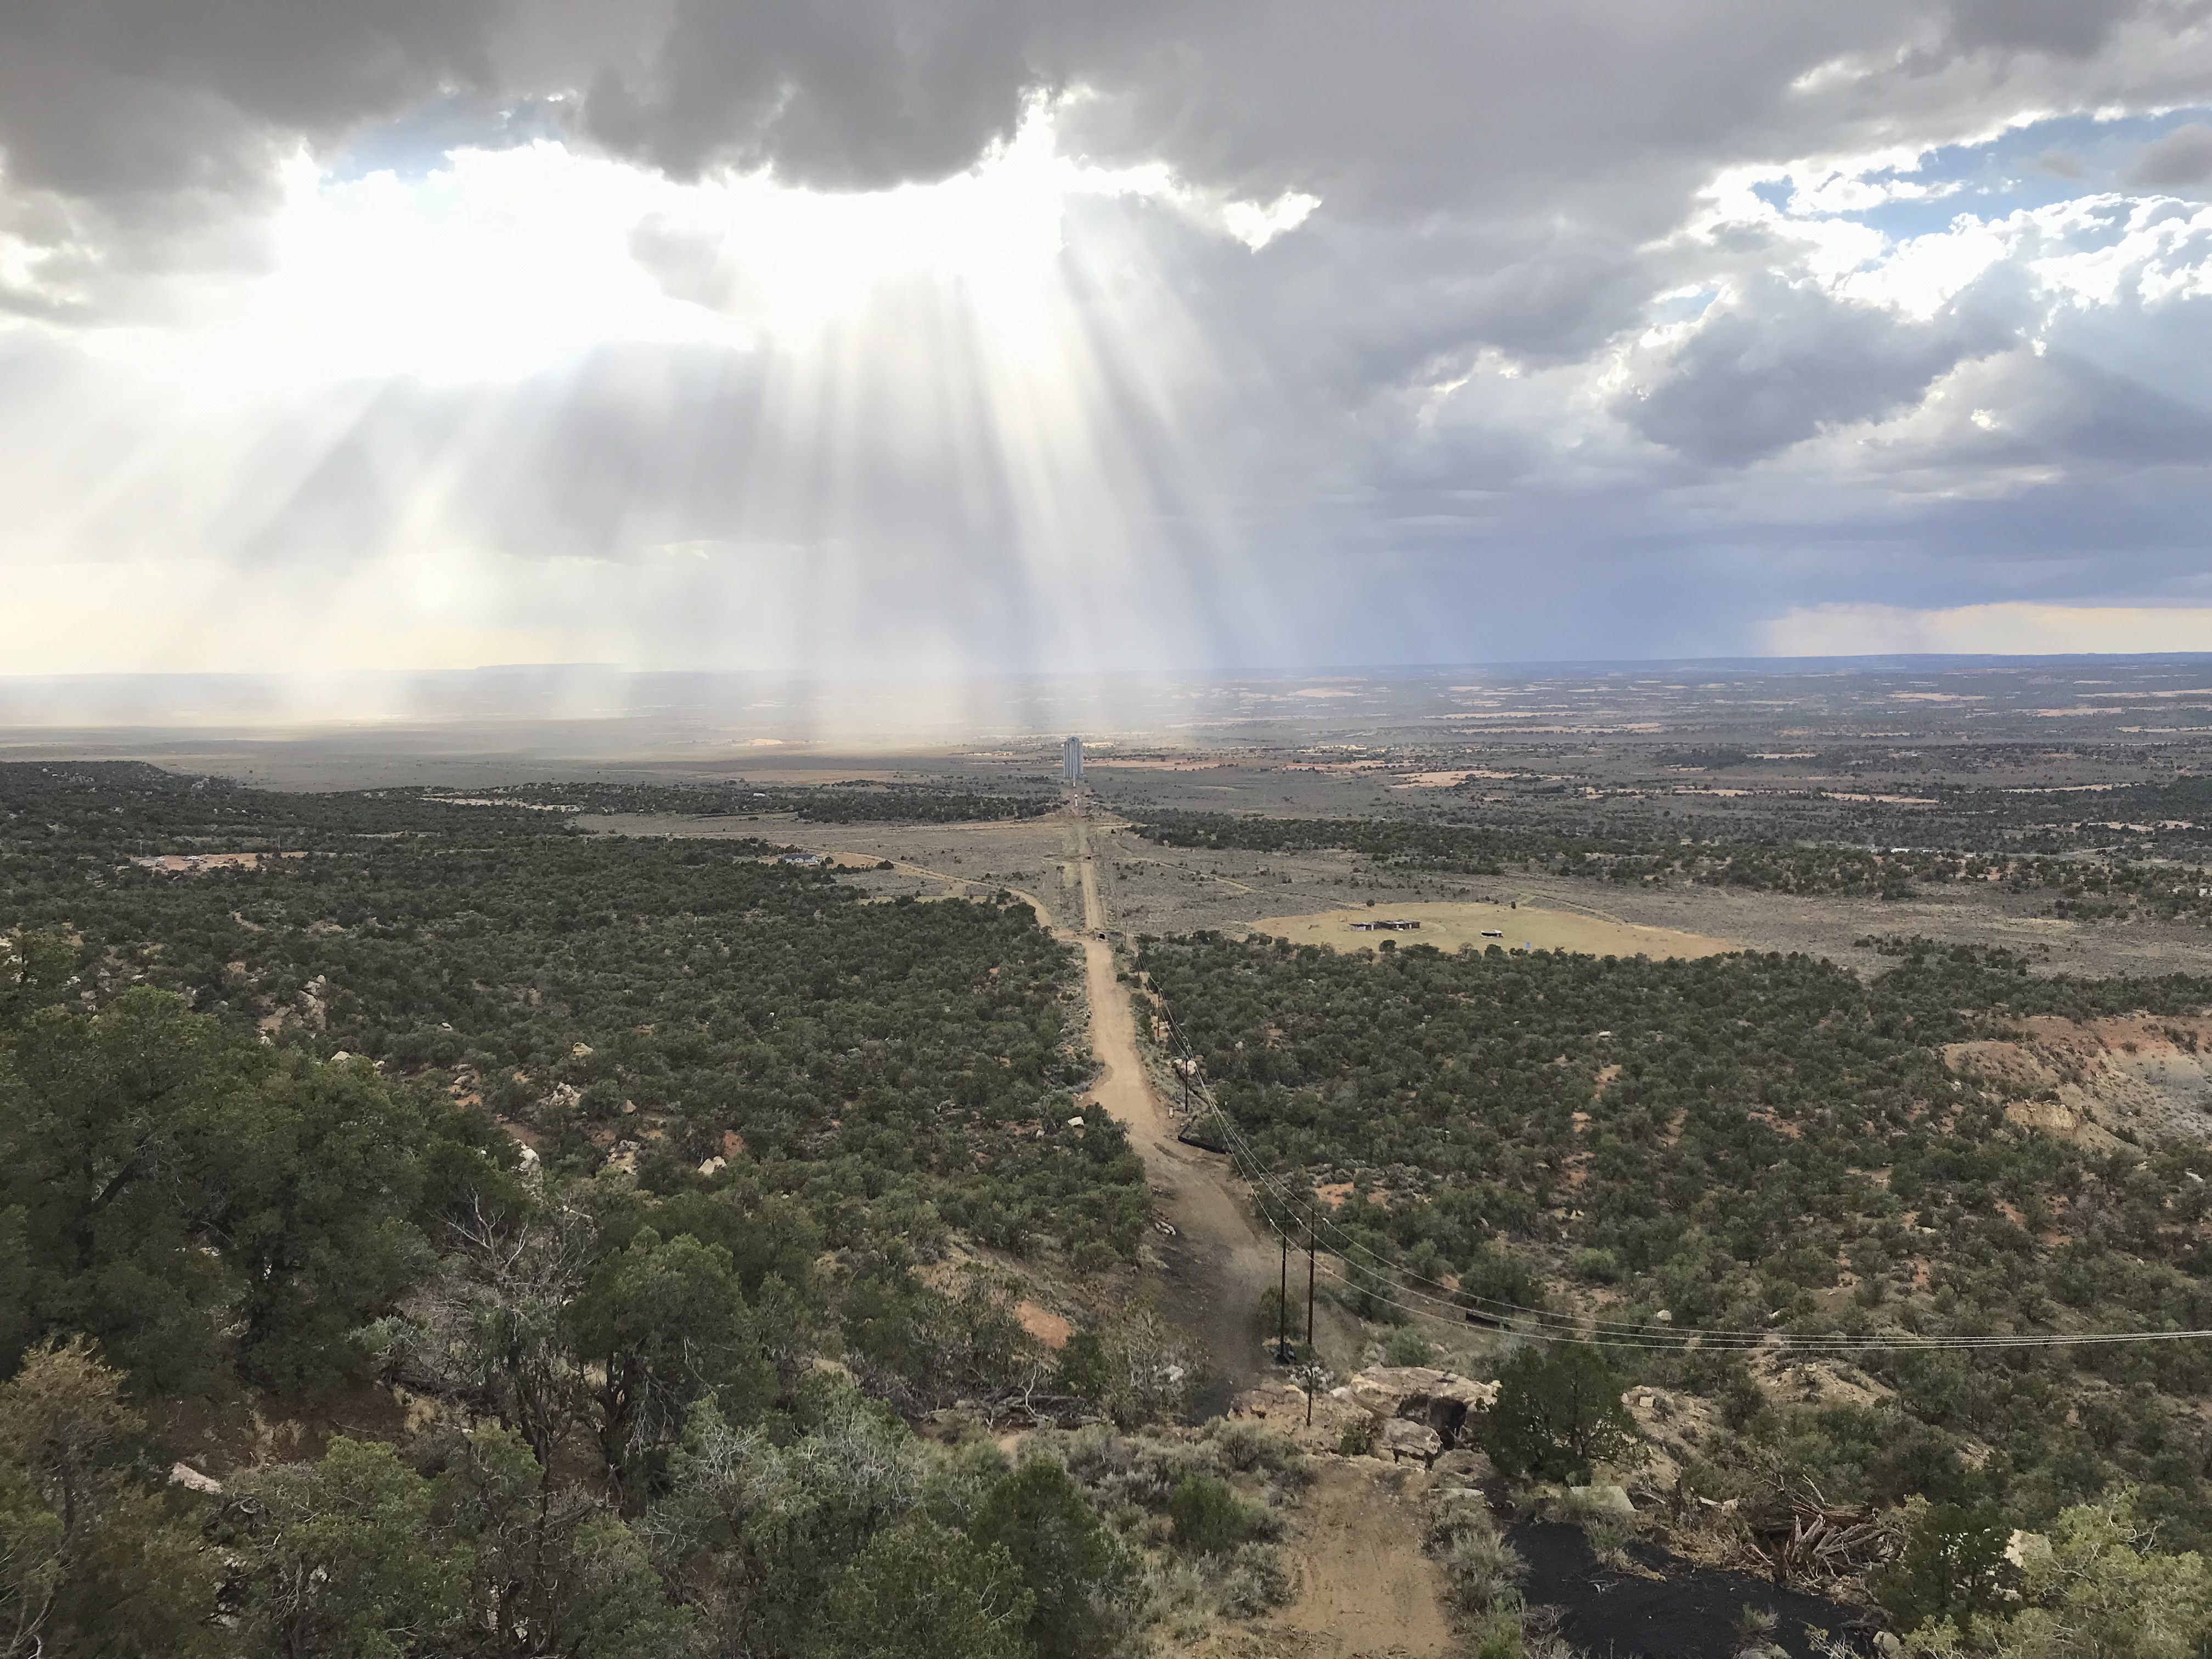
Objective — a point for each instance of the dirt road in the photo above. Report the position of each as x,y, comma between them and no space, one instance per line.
1360,1587
1215,1264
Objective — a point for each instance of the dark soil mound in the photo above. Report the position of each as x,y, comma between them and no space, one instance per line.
1692,1612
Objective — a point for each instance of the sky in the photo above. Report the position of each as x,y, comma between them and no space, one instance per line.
873,337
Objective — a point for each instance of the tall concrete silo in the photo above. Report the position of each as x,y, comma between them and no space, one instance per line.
1070,760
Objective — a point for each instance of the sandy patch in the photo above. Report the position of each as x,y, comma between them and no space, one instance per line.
1041,1322
192,864
1450,925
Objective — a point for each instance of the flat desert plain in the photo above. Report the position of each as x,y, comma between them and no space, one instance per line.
1448,927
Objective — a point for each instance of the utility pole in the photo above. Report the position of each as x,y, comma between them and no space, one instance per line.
1283,1306
1313,1354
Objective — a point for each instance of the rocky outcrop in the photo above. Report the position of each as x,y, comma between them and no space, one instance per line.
1439,1402
2139,1077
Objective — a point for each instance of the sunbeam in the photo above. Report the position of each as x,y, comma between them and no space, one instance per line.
537,402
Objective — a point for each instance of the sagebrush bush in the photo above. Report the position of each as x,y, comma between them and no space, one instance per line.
1249,1580
1209,1518
1485,1574
1248,1447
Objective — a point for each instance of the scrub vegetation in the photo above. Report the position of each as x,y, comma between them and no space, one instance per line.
428,1227
1756,1144
650,1174
2078,885
855,802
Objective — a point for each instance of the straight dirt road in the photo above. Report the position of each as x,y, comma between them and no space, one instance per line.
1215,1263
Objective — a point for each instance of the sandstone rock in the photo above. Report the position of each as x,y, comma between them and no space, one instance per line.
1403,1438
184,1475
1440,1399
1462,1467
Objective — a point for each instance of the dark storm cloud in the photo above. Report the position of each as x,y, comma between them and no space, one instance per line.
120,98
2066,27
1778,361
1466,354
2184,156
142,140
840,94
1405,108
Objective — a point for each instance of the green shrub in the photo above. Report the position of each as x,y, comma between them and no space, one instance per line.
1407,1346
1499,1638
1249,1580
922,1591
1595,1266
1208,1516
1952,1565
1071,1564
1558,1414
1485,1573
1248,1447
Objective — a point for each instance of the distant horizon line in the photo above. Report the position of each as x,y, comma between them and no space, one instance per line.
1370,670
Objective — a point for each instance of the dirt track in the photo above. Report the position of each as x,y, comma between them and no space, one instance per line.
1361,1587
1215,1264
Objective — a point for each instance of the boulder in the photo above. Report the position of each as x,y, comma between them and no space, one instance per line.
1404,1437
184,1475
1462,1467
1440,1399
1611,1501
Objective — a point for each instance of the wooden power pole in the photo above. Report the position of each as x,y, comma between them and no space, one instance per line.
1312,1353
